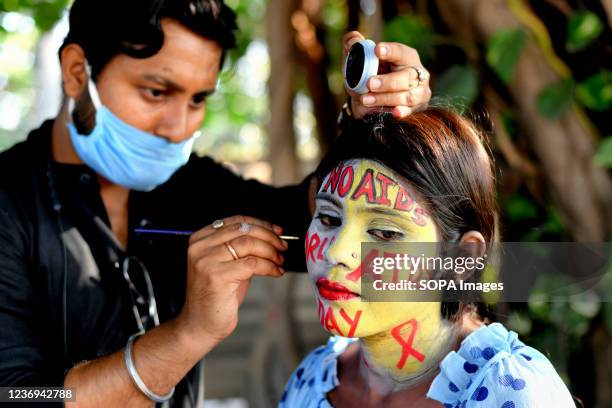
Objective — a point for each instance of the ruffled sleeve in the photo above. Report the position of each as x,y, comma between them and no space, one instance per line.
492,368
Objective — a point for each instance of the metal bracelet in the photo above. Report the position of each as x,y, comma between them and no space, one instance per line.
129,362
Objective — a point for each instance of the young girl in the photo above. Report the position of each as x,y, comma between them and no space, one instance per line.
427,178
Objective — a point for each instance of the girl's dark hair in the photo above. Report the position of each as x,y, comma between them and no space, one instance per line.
107,28
443,156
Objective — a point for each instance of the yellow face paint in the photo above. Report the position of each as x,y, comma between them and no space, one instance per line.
364,201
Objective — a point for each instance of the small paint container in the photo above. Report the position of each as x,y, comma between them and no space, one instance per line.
361,63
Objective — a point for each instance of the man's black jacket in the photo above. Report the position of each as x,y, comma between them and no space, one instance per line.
47,234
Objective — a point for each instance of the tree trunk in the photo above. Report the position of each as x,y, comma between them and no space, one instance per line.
565,149
310,39
373,23
353,9
282,62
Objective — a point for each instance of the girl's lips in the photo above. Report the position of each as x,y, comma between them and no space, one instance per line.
333,290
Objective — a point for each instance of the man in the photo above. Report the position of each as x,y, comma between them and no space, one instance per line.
76,281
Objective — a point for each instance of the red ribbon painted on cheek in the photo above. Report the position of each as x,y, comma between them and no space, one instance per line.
406,344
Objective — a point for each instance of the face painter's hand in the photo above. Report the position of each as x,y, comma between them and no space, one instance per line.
219,275
397,87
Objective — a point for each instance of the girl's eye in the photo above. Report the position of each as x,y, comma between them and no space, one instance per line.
328,220
386,235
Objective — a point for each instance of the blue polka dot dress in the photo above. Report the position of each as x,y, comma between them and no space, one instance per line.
491,369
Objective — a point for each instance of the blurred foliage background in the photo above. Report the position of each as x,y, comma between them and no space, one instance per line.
537,73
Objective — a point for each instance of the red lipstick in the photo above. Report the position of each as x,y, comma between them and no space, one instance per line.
333,290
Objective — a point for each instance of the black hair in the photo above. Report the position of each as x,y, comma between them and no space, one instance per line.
108,28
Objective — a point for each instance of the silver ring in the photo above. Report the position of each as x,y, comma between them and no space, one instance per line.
422,76
231,250
218,224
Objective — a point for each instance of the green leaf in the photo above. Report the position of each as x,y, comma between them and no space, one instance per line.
503,51
539,305
46,14
582,29
603,157
460,83
556,99
574,323
519,208
519,323
553,223
586,304
532,235
596,91
509,122
412,31
10,5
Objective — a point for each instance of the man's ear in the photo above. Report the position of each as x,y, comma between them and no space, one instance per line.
74,72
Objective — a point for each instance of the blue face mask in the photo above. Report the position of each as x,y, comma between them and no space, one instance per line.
126,155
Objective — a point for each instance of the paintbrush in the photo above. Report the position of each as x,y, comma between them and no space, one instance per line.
179,232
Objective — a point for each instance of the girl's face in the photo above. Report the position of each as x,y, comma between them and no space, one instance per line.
364,201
